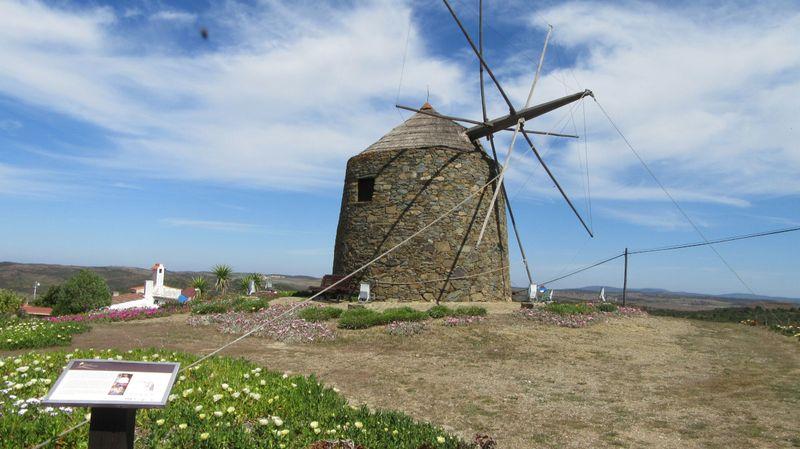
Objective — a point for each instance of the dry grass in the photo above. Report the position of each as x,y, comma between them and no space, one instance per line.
638,382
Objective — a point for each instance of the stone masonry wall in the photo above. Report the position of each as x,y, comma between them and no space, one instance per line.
412,188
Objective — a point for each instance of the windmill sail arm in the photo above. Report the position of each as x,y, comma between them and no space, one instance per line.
478,131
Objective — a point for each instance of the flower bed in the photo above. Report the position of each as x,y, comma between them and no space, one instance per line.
277,324
221,403
462,320
34,333
405,328
576,315
138,313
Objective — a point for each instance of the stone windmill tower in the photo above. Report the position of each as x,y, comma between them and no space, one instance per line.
405,180
432,175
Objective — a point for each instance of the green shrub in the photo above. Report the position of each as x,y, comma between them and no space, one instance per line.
568,309
439,311
204,308
315,314
469,311
250,305
360,318
402,314
607,307
81,293
364,318
223,402
10,302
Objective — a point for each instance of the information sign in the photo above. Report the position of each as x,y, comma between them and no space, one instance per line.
113,383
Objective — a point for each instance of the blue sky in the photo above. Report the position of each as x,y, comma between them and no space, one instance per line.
127,139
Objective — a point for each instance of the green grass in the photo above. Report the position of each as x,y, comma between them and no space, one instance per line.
234,303
222,403
315,314
35,333
441,311
363,318
568,309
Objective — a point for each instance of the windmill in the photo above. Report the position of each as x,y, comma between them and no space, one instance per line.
514,121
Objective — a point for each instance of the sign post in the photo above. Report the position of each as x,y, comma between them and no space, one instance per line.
113,390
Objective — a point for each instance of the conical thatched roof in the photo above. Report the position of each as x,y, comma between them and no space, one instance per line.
424,131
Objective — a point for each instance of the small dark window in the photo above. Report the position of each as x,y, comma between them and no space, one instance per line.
366,187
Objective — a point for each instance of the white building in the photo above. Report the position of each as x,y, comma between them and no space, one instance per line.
154,293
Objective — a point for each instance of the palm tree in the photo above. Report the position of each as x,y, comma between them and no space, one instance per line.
223,274
244,284
257,279
200,284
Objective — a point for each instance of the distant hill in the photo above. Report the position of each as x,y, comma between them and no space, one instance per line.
21,276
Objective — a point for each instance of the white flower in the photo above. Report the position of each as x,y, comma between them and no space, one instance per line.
262,382
218,413
216,397
182,425
224,386
160,422
314,424
236,395
230,410
202,416
317,430
198,408
440,440
22,369
204,436
284,432
187,392
278,422
285,376
263,421
358,424
255,396
172,397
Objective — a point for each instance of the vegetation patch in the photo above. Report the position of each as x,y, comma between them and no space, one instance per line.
81,293
221,403
405,328
279,322
320,313
785,321
231,303
577,315
462,320
362,318
32,333
441,311
137,313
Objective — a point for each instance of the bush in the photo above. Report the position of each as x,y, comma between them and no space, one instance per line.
444,311
469,311
204,308
439,311
224,402
30,334
10,302
360,318
606,307
568,309
402,314
251,305
81,293
363,318
314,314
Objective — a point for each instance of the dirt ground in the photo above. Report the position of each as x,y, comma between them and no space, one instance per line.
629,382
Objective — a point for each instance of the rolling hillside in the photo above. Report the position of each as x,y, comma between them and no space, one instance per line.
21,276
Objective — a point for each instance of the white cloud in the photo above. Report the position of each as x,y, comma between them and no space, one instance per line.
707,95
284,97
267,109
168,15
10,125
210,225
27,182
